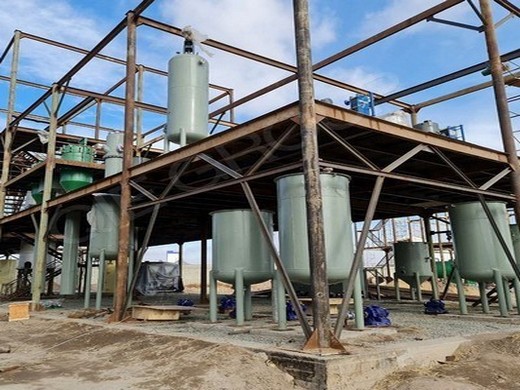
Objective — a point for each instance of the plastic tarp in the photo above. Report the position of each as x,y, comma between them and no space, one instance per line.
156,278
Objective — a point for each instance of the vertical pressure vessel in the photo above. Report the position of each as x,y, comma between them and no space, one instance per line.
114,153
337,220
412,258
104,226
188,89
238,243
477,248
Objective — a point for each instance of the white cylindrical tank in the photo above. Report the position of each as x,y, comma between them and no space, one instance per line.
104,226
337,225
26,254
114,153
238,244
188,94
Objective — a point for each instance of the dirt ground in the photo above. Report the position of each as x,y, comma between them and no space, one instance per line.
67,353
48,354
486,362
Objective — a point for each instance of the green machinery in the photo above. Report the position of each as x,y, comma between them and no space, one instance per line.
72,178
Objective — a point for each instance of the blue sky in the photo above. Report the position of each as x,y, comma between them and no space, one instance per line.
425,51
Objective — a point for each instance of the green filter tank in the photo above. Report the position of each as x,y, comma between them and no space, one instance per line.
237,243
337,224
73,178
477,248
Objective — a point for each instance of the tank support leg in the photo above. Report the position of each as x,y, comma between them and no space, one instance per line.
248,307
396,286
88,282
517,294
365,285
418,286
412,292
507,294
280,302
212,297
358,303
502,304
463,307
239,296
101,279
483,297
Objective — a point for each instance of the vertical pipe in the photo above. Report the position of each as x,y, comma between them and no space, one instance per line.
359,319
50,162
239,296
431,251
281,304
98,119
517,294
212,297
396,286
88,281
126,194
418,286
463,307
181,259
69,267
139,111
502,304
483,297
507,294
311,173
204,263
101,279
248,304
499,89
9,132
378,287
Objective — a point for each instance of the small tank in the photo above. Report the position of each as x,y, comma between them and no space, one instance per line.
238,243
477,248
412,258
114,153
337,220
188,91
73,178
104,226
37,190
428,127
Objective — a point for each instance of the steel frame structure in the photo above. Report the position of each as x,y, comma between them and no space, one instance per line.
327,127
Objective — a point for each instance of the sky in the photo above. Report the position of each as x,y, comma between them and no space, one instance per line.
423,52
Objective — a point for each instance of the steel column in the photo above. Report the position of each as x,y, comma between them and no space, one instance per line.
499,89
431,252
204,262
9,133
41,243
126,193
311,174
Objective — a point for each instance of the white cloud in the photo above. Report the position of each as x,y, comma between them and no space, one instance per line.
261,26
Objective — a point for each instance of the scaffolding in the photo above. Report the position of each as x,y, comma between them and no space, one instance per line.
398,171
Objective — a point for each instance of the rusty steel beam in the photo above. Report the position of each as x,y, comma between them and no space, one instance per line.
515,10
261,59
81,63
348,51
104,57
446,78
